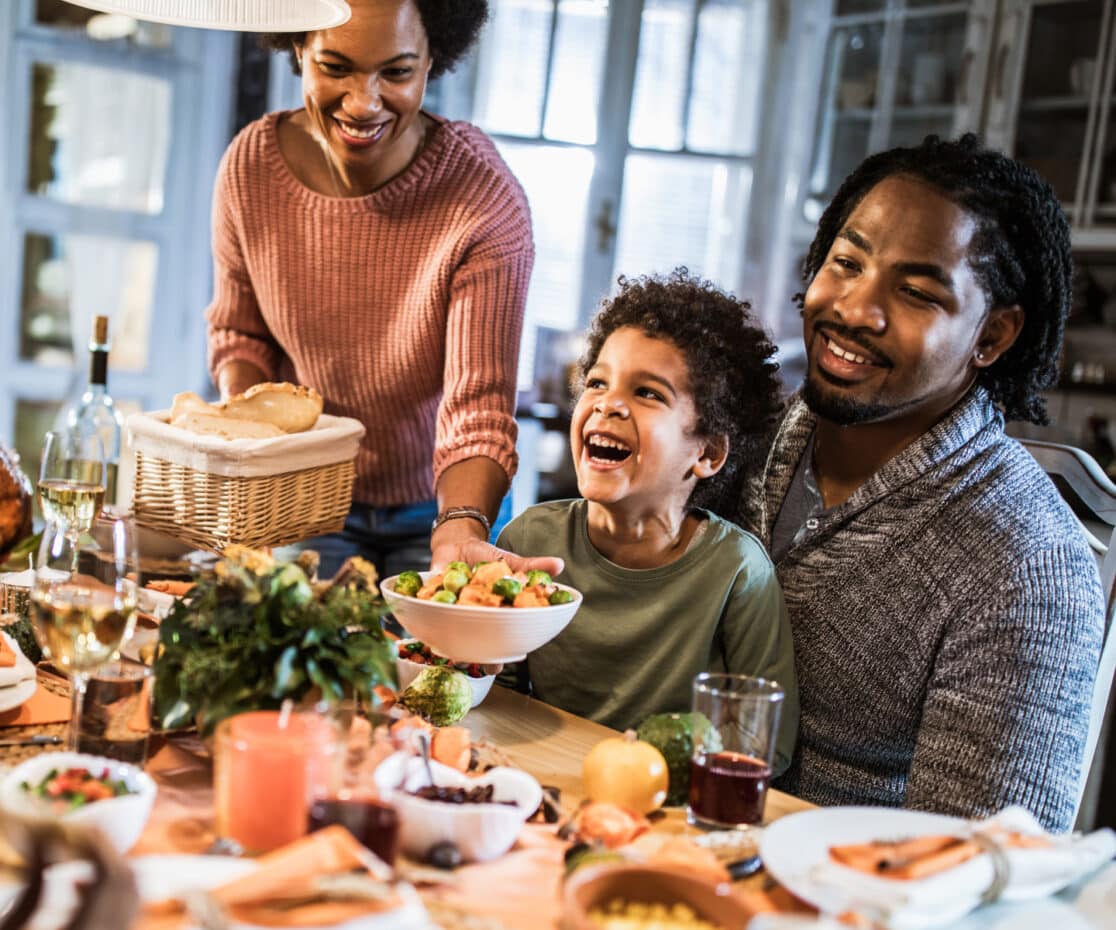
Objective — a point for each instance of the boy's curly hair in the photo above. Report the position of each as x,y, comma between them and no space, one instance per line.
730,362
452,27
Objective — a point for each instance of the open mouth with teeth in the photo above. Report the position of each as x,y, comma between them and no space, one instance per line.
604,450
848,356
367,133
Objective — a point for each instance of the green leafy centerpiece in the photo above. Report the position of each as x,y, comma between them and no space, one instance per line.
260,632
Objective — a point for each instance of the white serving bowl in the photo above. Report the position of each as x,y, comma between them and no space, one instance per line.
480,831
479,634
120,819
408,671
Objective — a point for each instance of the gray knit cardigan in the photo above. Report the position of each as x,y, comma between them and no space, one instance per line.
947,619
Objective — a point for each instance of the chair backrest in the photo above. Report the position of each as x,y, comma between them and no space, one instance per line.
1096,491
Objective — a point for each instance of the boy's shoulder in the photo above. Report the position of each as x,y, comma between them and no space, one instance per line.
728,536
543,518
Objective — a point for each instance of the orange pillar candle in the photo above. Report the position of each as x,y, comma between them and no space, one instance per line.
266,771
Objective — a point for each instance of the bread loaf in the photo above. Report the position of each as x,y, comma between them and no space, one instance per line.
264,411
291,407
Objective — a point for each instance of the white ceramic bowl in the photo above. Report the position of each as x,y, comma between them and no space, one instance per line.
479,634
120,819
480,831
408,671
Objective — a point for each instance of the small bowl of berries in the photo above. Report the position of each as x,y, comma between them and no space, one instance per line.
112,796
413,656
473,818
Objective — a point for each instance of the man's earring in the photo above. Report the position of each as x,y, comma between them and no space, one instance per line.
980,356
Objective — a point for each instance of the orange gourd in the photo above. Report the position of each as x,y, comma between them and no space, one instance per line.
626,771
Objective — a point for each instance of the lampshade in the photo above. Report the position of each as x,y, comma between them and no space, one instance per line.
242,15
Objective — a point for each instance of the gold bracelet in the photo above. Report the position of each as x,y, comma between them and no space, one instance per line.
460,513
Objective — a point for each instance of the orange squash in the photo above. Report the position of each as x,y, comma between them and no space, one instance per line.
626,771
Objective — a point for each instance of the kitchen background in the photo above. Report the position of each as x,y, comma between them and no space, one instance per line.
647,133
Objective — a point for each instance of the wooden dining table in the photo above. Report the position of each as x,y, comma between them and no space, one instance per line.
520,891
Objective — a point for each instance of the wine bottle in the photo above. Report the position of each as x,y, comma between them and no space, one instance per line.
94,411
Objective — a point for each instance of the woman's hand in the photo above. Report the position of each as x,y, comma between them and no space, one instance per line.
462,540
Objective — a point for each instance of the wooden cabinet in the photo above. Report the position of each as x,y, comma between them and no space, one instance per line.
896,71
1050,102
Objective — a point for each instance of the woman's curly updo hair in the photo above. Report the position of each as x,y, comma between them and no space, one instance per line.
452,27
730,362
1020,252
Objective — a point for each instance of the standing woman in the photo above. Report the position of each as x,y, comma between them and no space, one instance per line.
381,254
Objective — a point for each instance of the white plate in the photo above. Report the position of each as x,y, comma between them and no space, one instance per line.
161,876
17,693
793,847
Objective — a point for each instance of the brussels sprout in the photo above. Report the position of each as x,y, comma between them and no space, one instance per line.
444,597
560,597
408,583
454,580
441,695
458,567
538,577
507,587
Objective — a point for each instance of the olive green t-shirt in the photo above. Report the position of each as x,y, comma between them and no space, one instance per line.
641,635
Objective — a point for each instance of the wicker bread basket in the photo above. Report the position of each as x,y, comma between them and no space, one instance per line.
211,492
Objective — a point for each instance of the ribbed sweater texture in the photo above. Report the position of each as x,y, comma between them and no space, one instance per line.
403,308
947,625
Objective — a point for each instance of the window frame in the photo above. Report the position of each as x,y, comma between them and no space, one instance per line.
200,67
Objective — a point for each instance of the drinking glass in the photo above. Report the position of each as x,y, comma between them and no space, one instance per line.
267,766
72,480
735,724
350,797
83,602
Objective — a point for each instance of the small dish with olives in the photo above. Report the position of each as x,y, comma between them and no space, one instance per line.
480,816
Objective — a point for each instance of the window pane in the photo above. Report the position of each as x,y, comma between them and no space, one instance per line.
845,112
101,26
67,280
730,41
662,73
33,420
557,184
932,47
575,83
511,67
98,136
683,211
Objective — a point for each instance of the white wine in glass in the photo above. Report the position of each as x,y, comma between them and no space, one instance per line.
83,602
72,480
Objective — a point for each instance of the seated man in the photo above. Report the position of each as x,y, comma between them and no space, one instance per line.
947,611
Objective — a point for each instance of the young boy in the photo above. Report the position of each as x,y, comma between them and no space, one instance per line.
678,399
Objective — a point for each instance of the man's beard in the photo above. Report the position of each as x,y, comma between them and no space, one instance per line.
838,409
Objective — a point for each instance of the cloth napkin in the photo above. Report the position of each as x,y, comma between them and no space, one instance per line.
1020,870
41,708
14,665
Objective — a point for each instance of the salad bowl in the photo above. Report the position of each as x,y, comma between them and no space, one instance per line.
472,633
120,818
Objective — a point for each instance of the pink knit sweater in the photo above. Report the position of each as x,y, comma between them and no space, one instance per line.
403,308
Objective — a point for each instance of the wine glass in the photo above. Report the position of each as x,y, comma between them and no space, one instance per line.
83,601
72,480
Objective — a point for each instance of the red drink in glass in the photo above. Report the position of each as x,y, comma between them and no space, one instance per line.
370,820
728,788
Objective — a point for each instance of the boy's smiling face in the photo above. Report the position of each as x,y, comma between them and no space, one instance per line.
632,434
